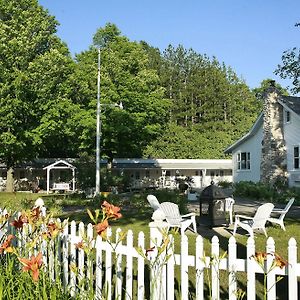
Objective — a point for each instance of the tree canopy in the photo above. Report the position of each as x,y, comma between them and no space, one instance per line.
210,106
290,67
127,78
177,103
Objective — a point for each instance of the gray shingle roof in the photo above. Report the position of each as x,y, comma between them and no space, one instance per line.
292,102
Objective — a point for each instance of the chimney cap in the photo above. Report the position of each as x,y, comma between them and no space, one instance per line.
272,83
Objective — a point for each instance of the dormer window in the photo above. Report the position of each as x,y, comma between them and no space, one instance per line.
287,116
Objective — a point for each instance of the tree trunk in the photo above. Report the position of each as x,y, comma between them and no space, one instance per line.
10,180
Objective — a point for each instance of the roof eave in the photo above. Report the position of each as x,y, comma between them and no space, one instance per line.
249,134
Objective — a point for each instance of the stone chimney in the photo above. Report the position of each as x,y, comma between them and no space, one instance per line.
273,154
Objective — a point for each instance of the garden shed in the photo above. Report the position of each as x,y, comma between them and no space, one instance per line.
60,181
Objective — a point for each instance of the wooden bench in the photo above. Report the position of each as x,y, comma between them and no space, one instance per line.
61,186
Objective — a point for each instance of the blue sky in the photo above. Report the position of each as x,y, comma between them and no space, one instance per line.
248,35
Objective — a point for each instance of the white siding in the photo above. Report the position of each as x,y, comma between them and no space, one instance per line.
252,145
292,138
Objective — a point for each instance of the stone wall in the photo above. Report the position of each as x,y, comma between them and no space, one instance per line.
273,161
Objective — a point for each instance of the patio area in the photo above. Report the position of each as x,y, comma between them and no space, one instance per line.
242,206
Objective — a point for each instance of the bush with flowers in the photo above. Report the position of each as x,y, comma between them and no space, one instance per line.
24,274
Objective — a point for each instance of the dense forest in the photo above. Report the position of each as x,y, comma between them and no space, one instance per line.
177,103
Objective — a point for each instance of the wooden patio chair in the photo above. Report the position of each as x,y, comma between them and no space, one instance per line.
280,214
253,223
175,219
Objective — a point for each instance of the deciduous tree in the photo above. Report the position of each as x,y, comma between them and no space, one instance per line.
34,94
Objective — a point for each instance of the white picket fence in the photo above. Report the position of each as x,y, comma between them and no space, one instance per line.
117,270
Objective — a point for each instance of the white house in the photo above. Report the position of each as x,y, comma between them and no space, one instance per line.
57,174
270,150
164,173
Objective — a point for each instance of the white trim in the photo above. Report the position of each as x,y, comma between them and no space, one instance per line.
239,153
55,166
68,165
258,123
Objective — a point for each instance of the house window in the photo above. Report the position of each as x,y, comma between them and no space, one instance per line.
296,157
147,173
22,174
137,175
243,161
287,116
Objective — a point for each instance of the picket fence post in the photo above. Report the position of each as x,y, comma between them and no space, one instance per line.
170,269
184,267
58,252
157,228
250,269
65,253
215,272
98,270
292,274
141,266
270,270
232,284
200,268
118,288
129,265
72,282
91,243
108,265
80,258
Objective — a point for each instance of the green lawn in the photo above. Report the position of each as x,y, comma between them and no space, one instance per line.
137,215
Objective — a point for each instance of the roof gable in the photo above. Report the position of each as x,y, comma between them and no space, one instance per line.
293,103
60,164
254,129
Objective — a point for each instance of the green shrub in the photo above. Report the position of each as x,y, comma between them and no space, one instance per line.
225,184
265,192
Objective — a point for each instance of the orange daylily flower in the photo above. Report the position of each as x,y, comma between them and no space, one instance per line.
6,246
111,211
53,230
149,250
101,227
35,213
79,245
18,224
260,257
33,265
279,261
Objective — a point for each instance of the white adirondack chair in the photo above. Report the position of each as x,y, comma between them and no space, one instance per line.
175,219
153,202
280,214
229,202
172,214
253,223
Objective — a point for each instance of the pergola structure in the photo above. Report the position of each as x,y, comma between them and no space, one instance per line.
62,165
